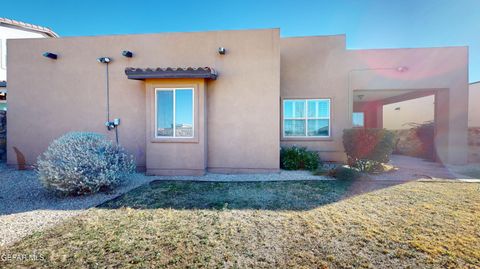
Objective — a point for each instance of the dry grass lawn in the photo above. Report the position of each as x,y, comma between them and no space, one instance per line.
269,225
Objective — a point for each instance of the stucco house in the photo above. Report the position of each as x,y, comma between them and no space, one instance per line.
10,29
222,101
396,116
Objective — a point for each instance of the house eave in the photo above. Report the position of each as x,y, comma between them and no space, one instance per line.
169,72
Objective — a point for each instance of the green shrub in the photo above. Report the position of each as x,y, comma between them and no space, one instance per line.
344,173
81,163
368,148
298,158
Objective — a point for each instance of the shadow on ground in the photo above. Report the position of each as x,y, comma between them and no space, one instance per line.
277,195
22,192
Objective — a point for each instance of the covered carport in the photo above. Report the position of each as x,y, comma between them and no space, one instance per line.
371,108
380,77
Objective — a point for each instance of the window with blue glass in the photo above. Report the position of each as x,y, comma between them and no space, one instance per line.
358,119
306,118
174,113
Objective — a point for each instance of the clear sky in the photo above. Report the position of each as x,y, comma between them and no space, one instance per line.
367,23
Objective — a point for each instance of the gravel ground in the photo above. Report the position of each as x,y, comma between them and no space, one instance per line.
281,176
26,207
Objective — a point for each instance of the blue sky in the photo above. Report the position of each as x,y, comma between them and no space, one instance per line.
367,24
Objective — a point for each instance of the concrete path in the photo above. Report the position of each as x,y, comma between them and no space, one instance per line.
283,175
410,168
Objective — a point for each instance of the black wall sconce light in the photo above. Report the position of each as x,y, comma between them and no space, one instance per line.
127,53
222,51
50,55
104,60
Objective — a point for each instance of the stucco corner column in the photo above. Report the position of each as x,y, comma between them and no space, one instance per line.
451,125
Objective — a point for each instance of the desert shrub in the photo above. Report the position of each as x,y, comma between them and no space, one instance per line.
344,173
368,148
425,133
81,163
298,158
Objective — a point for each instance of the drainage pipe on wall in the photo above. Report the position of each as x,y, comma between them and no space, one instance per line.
111,125
107,93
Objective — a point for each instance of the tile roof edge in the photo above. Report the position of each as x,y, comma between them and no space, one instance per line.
29,26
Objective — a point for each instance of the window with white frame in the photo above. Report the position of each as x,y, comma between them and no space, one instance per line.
306,118
174,114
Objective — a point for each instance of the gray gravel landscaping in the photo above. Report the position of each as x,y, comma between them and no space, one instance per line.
280,176
26,207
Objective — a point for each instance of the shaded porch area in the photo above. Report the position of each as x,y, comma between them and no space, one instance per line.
368,105
368,112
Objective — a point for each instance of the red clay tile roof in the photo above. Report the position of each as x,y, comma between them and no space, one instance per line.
28,26
169,72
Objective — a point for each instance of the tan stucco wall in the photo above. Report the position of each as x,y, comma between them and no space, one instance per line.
173,156
242,117
397,116
474,105
427,69
314,67
422,109
243,129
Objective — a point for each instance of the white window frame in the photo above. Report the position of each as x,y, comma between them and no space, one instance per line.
306,118
174,116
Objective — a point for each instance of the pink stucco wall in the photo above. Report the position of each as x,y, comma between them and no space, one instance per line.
241,112
48,98
315,67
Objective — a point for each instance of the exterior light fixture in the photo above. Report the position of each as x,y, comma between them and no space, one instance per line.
104,60
127,53
50,55
397,108
402,69
222,51
360,96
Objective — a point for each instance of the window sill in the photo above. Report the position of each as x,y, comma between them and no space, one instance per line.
174,140
306,139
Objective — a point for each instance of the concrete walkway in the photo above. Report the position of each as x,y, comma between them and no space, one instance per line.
411,168
283,175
